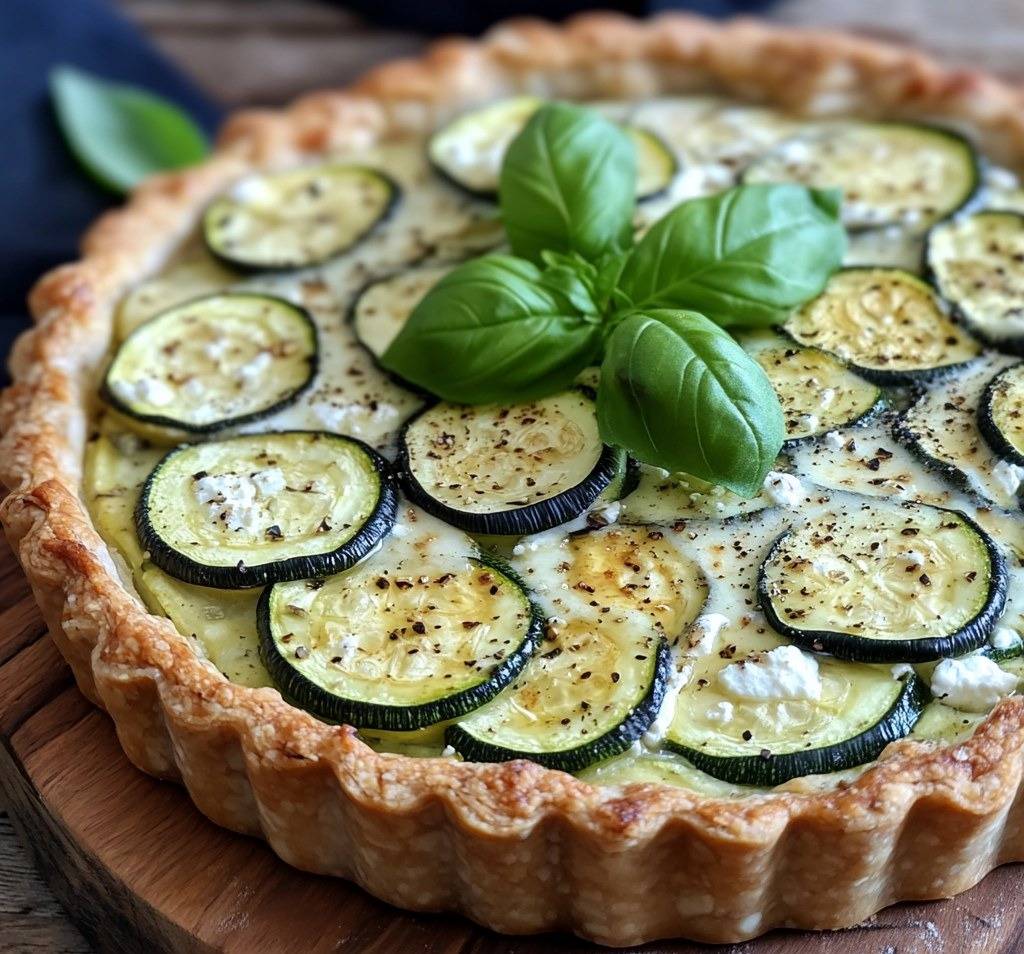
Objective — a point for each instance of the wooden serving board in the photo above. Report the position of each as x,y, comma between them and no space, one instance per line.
138,869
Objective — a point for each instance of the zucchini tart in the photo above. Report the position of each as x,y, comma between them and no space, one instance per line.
475,658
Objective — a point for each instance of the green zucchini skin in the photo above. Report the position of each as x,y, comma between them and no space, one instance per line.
245,267
350,319
613,742
971,195
1011,344
988,427
189,429
314,698
178,565
520,521
972,635
905,377
771,769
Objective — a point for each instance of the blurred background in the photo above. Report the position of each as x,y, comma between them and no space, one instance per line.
249,51
209,56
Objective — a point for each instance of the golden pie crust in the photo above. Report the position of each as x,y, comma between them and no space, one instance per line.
513,846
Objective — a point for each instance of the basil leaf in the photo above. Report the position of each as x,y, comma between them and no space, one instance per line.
679,393
567,184
746,256
490,331
121,134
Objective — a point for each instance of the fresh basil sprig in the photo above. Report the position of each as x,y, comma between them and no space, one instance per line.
119,133
494,328
567,184
744,257
676,389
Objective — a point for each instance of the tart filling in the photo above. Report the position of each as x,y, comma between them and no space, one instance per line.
559,602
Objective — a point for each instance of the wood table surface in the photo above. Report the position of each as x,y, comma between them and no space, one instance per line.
226,45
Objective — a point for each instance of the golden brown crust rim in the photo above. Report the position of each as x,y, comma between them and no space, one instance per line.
514,846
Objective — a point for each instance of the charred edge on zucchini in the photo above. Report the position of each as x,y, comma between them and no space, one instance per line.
964,638
243,574
616,740
768,769
261,408
335,707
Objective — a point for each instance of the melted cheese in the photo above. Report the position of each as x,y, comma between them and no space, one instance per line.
715,622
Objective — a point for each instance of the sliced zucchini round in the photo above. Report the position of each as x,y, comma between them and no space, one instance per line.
469,150
886,323
381,650
818,393
195,274
976,264
1001,414
382,308
214,362
661,497
859,710
265,508
588,693
904,174
508,469
299,218
597,682
882,582
656,163
943,428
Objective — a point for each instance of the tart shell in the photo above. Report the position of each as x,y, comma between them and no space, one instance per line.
513,846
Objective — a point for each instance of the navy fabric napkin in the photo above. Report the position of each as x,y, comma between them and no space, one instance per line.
46,201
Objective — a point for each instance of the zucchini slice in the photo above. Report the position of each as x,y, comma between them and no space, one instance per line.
661,497
597,682
508,469
976,264
1001,414
762,740
398,648
903,174
299,218
882,582
818,393
195,274
469,150
656,163
943,427
383,306
214,362
265,508
885,323
587,695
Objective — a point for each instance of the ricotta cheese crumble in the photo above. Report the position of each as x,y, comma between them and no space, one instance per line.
971,684
781,673
240,500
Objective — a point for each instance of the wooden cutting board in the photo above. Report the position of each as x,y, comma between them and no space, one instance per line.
140,870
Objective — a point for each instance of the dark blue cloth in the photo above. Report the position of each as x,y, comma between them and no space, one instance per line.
473,16
46,201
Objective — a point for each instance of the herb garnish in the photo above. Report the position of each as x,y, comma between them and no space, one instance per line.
676,389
